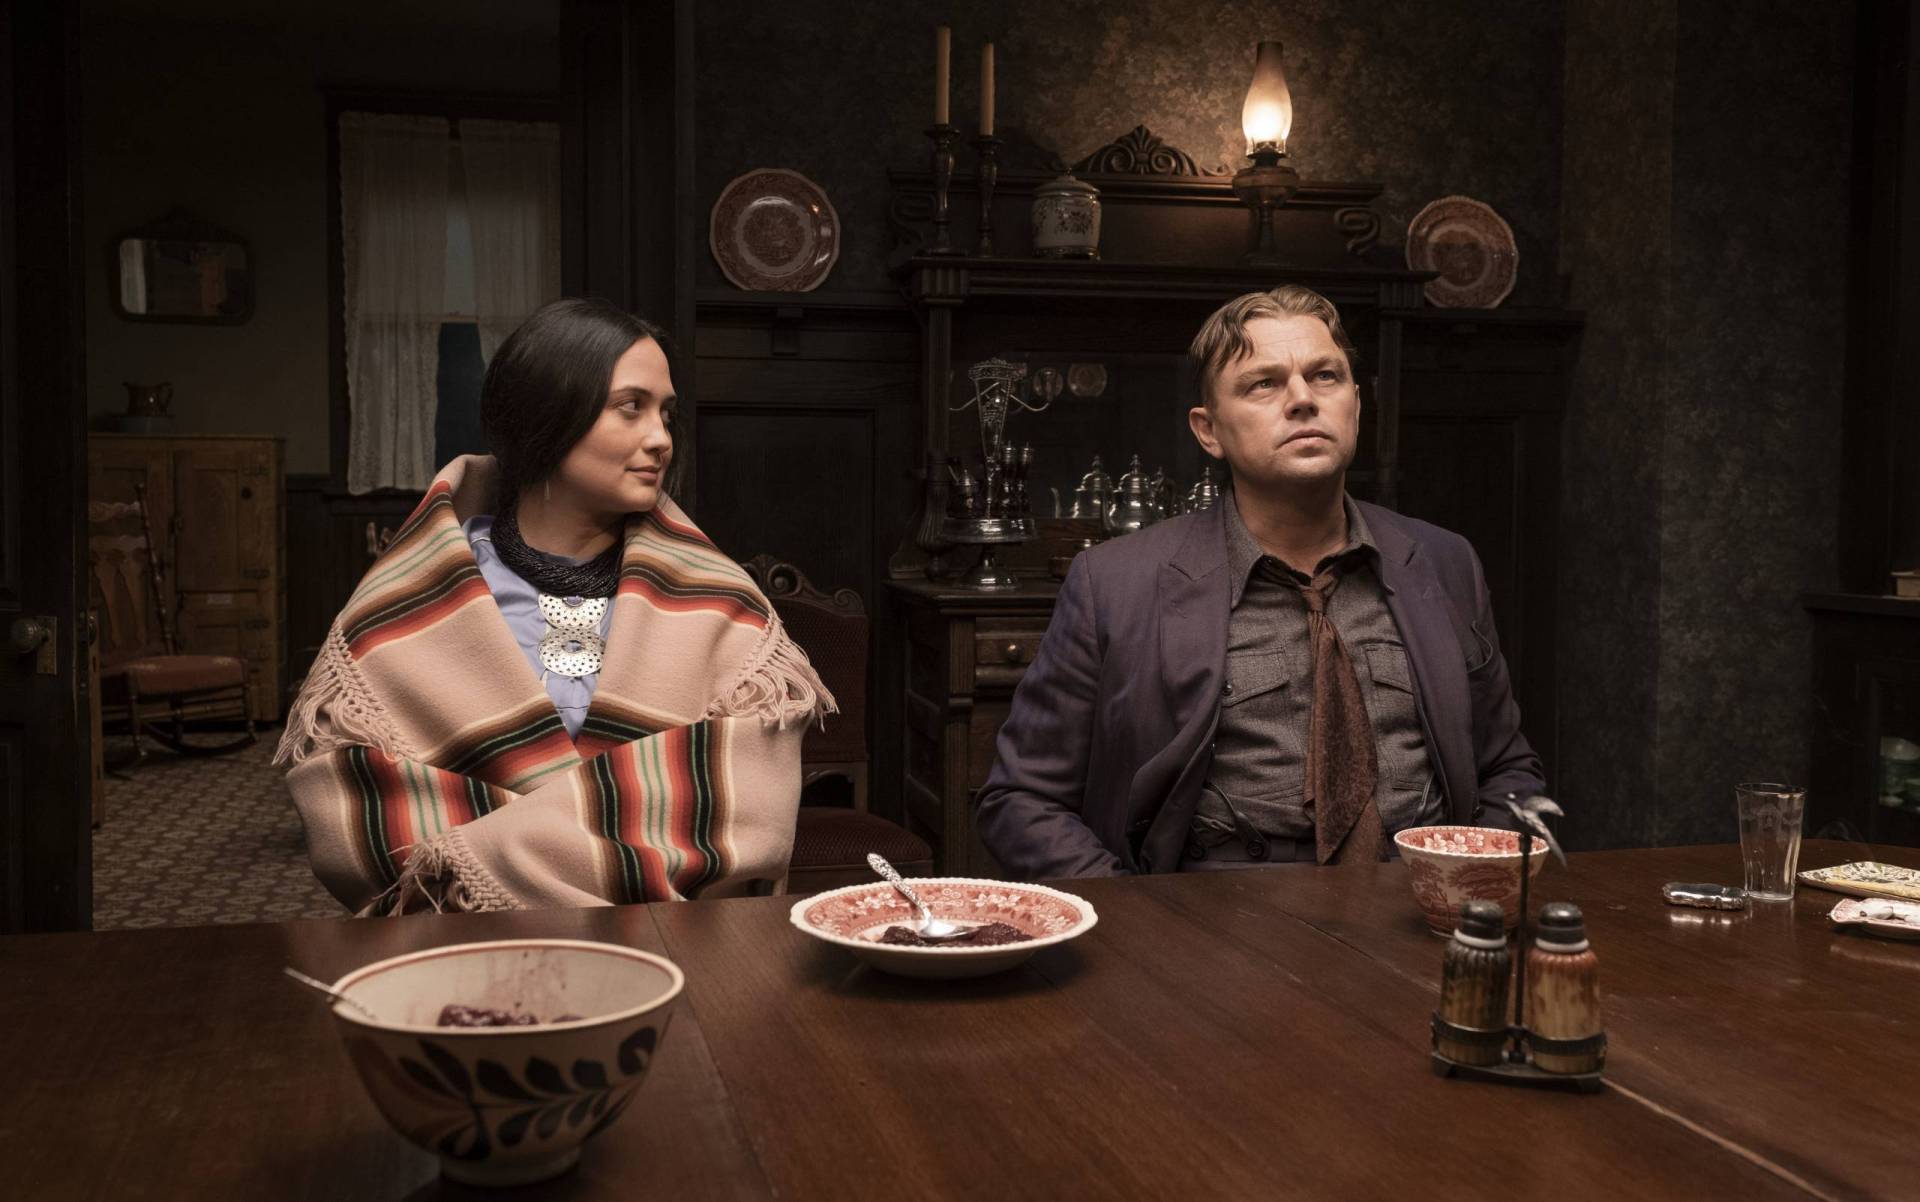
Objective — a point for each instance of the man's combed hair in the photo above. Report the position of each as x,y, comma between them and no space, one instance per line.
1223,339
548,382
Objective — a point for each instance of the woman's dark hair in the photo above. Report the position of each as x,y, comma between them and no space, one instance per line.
548,382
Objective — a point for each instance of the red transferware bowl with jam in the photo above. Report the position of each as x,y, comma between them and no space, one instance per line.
1452,865
859,918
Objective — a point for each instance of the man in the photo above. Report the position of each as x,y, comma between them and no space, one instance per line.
1290,676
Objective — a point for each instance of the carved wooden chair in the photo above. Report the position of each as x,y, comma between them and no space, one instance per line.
831,843
143,673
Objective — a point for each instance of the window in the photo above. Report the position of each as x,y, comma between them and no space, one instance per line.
451,237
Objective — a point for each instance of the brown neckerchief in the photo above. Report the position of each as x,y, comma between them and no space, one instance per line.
1341,758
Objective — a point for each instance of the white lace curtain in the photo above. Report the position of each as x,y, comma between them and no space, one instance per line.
395,206
513,205
393,210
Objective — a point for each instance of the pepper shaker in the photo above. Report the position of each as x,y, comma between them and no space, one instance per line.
1473,985
1563,994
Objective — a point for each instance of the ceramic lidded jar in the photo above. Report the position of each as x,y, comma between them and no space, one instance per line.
1066,219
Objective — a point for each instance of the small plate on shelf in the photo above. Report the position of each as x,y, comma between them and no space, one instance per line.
774,230
1885,916
1472,248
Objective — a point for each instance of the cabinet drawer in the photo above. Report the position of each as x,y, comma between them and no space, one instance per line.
1003,649
225,608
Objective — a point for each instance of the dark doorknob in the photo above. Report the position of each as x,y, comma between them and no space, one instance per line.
28,634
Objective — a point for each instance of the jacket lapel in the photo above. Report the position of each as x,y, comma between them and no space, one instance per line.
1191,606
1419,606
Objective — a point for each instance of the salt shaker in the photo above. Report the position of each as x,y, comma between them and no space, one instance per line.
1563,993
1473,984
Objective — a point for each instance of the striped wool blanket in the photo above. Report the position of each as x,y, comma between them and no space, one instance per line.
431,769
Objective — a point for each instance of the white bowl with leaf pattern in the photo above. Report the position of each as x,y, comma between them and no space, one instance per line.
507,1105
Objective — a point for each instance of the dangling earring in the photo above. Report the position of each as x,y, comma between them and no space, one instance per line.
548,486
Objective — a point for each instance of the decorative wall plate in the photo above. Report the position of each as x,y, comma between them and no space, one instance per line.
774,230
1086,380
1472,248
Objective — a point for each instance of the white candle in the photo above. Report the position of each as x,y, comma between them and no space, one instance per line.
986,90
942,53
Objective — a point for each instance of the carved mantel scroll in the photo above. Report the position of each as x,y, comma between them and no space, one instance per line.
1141,152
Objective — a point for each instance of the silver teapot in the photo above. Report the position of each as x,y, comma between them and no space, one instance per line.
1133,506
1204,494
1166,499
1091,498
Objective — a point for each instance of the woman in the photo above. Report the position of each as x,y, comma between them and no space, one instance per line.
551,689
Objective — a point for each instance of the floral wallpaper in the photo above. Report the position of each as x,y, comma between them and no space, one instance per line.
1418,97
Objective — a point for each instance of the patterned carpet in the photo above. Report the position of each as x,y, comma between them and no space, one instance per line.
193,841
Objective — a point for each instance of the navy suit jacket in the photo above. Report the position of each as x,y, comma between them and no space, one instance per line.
1110,738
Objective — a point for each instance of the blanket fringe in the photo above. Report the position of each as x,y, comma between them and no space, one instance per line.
778,685
334,709
441,875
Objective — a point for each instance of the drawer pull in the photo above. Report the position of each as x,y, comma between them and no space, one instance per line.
1016,654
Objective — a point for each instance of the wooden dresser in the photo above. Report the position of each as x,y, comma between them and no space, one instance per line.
966,651
216,508
1866,716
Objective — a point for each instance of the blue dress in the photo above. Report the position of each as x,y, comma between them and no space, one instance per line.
519,604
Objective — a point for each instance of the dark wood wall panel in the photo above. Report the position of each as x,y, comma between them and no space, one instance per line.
1480,451
326,556
794,482
1879,529
1464,474
808,425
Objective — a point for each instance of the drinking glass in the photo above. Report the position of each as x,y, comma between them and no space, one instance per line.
1770,817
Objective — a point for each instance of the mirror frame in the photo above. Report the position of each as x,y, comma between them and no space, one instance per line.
179,225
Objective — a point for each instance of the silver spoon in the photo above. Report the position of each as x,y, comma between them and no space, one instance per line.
936,930
330,991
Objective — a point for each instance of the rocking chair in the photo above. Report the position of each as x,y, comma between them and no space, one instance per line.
143,673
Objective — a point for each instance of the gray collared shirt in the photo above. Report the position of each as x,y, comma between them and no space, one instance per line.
1259,757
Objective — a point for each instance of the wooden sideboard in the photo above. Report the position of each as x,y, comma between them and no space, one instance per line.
1477,449
966,652
1866,695
215,506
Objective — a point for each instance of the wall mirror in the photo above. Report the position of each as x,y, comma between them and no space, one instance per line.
181,268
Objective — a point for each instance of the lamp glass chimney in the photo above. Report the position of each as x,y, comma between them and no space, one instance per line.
1267,116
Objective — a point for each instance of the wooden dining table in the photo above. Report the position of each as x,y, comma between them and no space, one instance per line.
1254,1034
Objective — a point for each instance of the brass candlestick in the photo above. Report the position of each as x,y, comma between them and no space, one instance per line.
988,147
943,138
